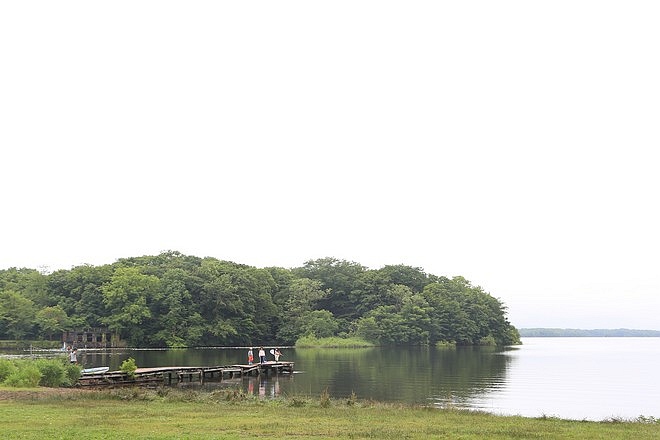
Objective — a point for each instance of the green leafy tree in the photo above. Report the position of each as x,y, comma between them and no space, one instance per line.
371,291
416,314
62,288
52,320
158,265
407,324
390,325
89,307
282,279
339,278
450,320
319,323
237,303
368,329
465,314
30,283
179,324
17,315
127,296
304,295
412,277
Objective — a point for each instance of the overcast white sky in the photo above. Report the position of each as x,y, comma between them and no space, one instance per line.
510,142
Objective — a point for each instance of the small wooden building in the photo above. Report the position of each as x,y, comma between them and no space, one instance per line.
97,337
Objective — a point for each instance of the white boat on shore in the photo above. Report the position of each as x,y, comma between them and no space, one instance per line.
97,370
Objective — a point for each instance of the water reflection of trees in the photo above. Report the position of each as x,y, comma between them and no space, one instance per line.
403,374
408,374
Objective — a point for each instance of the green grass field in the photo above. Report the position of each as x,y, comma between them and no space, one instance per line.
172,414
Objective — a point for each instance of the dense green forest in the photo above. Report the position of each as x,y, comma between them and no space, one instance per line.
176,300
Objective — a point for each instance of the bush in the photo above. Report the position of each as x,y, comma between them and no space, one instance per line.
52,372
445,344
7,367
128,367
49,373
71,374
488,340
27,376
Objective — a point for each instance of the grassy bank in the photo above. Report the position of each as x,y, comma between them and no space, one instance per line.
169,414
332,342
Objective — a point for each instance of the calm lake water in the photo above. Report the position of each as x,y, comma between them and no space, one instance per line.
572,378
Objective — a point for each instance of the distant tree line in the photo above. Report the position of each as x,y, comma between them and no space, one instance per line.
574,332
175,300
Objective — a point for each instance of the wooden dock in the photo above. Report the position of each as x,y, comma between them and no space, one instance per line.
171,375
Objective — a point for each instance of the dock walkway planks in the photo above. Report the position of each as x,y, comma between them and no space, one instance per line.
180,374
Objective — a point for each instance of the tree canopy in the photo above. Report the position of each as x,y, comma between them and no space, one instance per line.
176,300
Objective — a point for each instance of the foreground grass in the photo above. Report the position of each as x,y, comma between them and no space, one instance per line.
172,414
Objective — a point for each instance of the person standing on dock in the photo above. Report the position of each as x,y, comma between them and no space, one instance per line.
262,355
277,354
250,356
73,356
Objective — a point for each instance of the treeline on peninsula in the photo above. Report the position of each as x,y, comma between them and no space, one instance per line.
593,333
176,300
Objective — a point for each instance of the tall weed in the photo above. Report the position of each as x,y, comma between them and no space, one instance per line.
325,400
27,376
7,367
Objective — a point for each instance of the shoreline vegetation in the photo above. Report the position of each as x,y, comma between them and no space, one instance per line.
591,333
302,342
177,301
171,413
335,342
332,342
